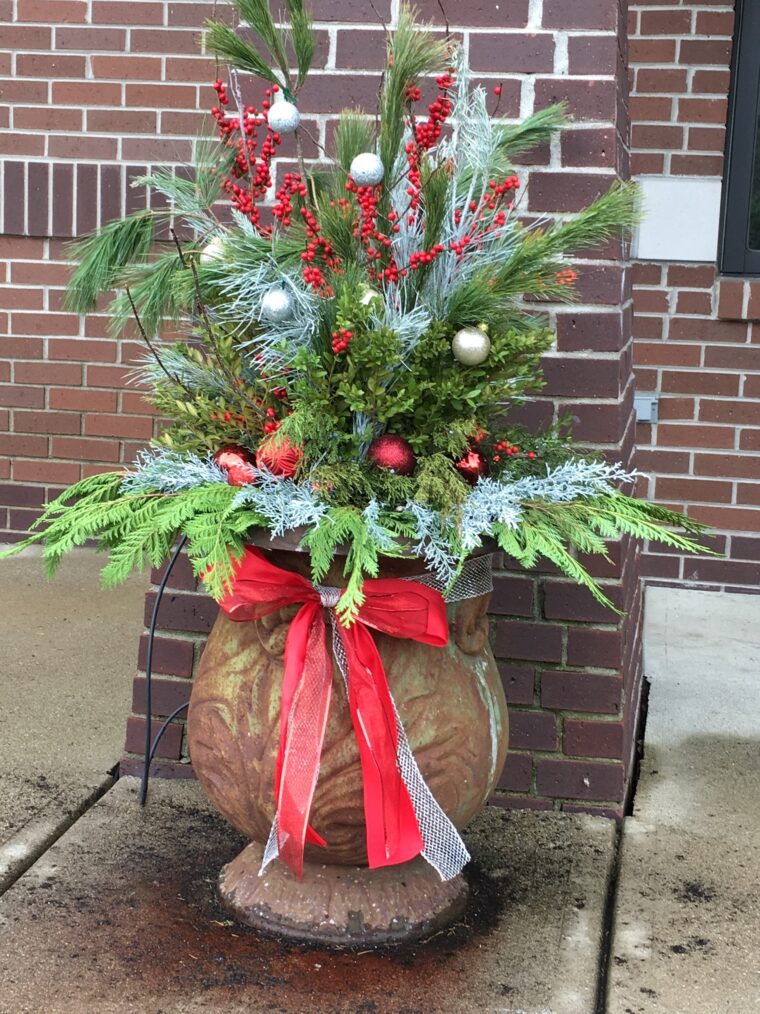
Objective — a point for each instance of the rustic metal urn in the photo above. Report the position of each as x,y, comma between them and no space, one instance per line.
452,705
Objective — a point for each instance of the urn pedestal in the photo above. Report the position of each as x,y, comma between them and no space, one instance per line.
453,708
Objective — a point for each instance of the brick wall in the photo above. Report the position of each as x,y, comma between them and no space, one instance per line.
95,90
697,334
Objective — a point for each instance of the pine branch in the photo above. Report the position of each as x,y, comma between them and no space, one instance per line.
302,34
104,255
519,138
225,43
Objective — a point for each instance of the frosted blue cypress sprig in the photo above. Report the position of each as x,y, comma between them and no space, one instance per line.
283,503
432,544
383,538
166,471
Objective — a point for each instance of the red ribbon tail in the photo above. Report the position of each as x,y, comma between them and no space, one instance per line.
393,833
307,689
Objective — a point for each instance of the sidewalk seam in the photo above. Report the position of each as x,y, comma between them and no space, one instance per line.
22,850
608,923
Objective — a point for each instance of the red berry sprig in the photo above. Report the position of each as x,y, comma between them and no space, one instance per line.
341,340
505,449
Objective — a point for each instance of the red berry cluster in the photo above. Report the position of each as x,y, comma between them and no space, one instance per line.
272,424
420,258
509,450
340,340
567,277
227,417
428,133
292,186
241,135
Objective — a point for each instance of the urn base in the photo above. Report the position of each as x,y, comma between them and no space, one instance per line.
341,905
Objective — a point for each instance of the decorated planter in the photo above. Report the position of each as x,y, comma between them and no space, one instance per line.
452,709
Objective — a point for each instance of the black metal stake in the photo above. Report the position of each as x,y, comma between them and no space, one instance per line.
150,747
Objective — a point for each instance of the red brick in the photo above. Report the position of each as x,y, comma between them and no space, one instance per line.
745,549
510,802
532,730
512,595
711,81
732,518
580,779
727,357
46,422
649,135
660,566
703,52
47,373
82,350
46,471
733,412
707,138
170,745
126,68
82,400
119,13
666,354
594,146
673,435
14,395
655,108
593,739
194,613
749,440
592,54
166,696
692,490
579,378
663,461
90,40
580,691
721,571
50,65
700,382
121,121
566,601
670,22
24,37
595,423
171,655
52,11
595,14
661,80
695,329
597,332
745,466
585,100
694,302
516,775
118,426
531,641
82,449
647,163
715,23
651,51
44,323
651,301
696,165
748,493
600,649
16,445
513,54
518,683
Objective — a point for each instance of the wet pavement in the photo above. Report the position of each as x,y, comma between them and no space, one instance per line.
121,914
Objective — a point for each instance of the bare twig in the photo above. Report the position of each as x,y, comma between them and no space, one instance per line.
153,350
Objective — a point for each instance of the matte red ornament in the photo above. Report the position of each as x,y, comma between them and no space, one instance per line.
472,466
392,452
238,463
279,458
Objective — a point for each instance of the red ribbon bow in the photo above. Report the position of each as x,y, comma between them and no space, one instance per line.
402,609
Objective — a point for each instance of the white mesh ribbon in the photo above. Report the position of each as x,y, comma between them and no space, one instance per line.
443,847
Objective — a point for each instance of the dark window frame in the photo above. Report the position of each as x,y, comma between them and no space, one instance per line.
742,138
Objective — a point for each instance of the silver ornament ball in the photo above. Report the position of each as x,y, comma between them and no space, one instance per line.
277,306
283,117
213,251
471,346
367,170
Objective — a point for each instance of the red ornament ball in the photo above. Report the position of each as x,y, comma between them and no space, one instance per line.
392,452
279,457
472,466
238,464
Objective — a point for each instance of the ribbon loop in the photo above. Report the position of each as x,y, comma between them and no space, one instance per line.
402,817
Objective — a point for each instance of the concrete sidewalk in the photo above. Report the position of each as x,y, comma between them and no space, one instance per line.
69,651
688,906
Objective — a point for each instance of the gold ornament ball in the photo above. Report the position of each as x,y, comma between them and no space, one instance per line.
471,346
